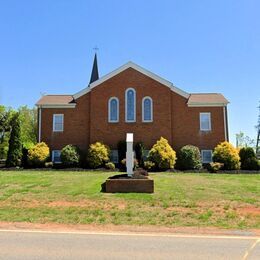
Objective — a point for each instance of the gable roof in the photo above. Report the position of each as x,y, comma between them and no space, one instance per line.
207,99
138,68
56,101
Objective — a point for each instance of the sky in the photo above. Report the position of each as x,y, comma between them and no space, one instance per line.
200,46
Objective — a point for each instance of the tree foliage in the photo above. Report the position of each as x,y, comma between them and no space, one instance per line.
28,119
14,154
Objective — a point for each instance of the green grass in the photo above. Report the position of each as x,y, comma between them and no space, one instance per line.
218,200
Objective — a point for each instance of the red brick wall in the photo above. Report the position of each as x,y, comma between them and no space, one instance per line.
172,119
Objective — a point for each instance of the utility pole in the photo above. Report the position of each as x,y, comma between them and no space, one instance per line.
258,134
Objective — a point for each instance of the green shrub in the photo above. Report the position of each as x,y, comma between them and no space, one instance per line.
38,155
189,158
162,155
215,167
139,153
70,155
121,147
148,165
98,155
248,159
227,154
14,154
110,166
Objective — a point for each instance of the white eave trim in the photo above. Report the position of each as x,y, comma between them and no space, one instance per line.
138,68
57,106
207,104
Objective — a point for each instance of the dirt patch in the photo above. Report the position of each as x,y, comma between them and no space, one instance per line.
250,210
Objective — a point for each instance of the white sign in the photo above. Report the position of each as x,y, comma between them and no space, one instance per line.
129,154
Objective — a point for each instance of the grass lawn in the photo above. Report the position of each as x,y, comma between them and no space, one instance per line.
218,200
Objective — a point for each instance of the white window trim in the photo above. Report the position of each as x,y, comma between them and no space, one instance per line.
109,119
53,123
205,113
52,156
202,151
134,120
147,121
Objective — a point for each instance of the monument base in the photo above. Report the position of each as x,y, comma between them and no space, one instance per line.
124,184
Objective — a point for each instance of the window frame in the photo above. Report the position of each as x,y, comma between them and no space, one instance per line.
52,156
53,123
143,119
206,150
126,108
201,128
109,110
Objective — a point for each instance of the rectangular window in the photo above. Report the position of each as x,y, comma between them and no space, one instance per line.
205,122
56,156
58,122
206,156
114,156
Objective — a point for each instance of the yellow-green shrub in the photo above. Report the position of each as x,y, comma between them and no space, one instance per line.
98,155
227,154
38,154
162,155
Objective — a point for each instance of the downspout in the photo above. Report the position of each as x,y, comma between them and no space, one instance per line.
39,123
225,123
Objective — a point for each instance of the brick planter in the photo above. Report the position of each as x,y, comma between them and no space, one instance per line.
129,185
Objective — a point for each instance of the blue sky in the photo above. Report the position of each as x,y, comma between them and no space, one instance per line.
200,46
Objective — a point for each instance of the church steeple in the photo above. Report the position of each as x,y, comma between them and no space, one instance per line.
94,73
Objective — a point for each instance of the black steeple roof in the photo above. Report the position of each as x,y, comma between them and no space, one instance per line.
94,73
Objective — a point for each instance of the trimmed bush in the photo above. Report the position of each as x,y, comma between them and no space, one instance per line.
38,155
139,153
189,158
70,155
98,155
227,154
162,155
121,147
110,166
215,167
14,154
248,159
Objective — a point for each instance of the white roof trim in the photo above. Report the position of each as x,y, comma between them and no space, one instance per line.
207,104
138,68
57,106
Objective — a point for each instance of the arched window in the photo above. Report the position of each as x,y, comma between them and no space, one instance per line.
113,110
130,104
147,109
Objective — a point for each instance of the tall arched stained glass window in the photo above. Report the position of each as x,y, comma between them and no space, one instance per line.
113,110
147,109
130,104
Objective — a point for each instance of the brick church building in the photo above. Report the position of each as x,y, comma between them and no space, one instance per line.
134,100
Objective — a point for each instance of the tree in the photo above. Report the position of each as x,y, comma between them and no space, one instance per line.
14,154
28,118
5,119
243,140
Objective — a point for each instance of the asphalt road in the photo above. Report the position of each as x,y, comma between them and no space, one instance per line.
66,245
